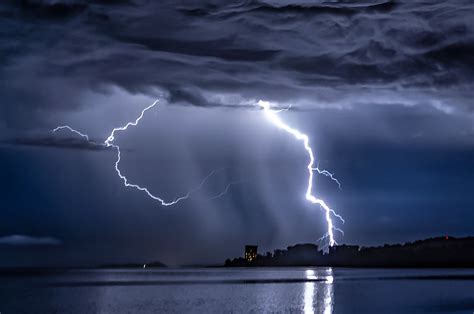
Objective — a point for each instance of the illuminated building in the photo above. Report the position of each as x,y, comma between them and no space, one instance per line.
250,252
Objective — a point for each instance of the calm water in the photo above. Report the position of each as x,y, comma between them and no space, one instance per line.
293,290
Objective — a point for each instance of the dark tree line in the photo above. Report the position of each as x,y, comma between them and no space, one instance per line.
433,252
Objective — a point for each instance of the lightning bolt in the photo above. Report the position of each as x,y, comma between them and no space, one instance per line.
328,174
272,115
227,188
67,127
109,143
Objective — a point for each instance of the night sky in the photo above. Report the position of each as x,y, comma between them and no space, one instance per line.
384,90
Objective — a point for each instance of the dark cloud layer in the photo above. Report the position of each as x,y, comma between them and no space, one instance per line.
68,143
313,53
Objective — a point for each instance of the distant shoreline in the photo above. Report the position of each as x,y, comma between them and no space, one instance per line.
440,252
433,253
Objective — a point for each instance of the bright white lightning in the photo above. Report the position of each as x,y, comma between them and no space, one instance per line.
109,143
328,174
272,115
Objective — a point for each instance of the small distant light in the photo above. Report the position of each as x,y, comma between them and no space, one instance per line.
446,237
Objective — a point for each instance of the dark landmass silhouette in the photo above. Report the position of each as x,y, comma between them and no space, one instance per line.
442,252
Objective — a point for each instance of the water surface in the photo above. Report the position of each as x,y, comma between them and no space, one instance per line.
257,290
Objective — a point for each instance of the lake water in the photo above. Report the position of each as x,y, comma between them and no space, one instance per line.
222,290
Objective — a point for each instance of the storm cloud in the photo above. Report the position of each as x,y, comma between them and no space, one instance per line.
68,143
212,53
